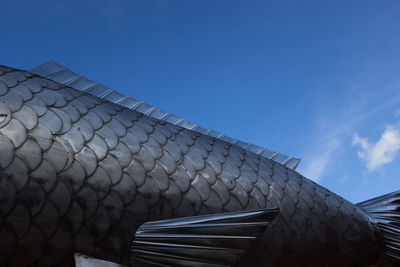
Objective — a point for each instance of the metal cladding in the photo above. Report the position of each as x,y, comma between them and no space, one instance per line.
385,211
61,74
206,240
80,174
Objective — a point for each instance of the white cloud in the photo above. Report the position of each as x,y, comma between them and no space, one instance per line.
333,130
382,152
315,166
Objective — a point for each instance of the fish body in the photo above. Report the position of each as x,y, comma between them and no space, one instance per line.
79,174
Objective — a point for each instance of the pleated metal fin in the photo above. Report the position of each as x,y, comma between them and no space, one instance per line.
207,240
56,72
385,211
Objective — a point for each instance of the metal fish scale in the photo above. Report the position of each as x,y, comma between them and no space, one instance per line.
61,74
80,174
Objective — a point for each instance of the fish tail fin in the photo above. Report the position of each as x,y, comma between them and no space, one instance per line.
385,212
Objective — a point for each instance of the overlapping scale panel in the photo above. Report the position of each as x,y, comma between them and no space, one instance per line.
54,71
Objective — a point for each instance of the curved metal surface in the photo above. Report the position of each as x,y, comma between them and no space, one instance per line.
81,174
385,213
63,75
206,240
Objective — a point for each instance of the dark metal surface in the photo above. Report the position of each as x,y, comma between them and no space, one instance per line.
385,213
205,240
81,174
61,74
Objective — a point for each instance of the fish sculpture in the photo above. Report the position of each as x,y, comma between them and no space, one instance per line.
83,170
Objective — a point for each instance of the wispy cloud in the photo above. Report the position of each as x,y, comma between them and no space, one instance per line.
333,133
382,152
344,179
317,160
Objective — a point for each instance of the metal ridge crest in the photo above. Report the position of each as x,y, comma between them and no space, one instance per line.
56,72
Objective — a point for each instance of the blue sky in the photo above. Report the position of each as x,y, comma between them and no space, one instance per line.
317,80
